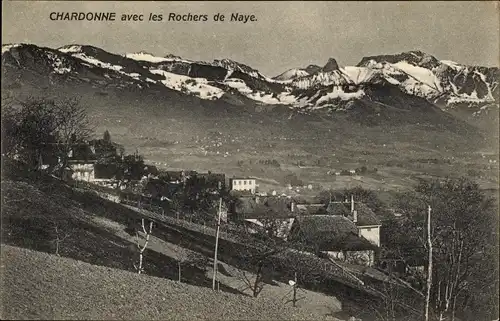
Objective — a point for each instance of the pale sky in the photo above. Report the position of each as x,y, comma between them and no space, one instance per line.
286,34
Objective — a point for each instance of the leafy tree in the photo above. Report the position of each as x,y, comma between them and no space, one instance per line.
132,168
29,127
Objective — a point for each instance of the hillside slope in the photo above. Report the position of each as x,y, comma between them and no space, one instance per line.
38,211
42,286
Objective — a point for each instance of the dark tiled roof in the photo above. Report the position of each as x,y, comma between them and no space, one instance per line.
82,153
366,215
336,225
263,207
351,242
106,171
330,233
338,209
310,209
103,148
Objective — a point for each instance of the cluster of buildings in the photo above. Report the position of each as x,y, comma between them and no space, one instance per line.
347,230
96,161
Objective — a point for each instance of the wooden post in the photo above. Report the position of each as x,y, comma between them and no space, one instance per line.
216,245
429,265
295,290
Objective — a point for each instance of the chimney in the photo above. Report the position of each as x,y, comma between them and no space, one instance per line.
355,216
352,204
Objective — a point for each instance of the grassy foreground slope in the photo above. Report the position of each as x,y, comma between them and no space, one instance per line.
93,277
44,286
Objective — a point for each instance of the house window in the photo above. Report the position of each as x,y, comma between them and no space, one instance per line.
244,182
368,229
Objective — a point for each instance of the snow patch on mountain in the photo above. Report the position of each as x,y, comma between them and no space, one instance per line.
336,78
421,75
96,62
70,49
59,67
195,86
292,74
283,98
451,64
359,75
239,85
412,79
143,56
338,93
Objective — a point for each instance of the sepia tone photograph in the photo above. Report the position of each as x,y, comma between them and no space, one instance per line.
238,160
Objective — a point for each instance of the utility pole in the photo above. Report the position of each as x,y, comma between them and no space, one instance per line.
429,265
216,244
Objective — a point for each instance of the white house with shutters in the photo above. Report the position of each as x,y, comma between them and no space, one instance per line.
243,184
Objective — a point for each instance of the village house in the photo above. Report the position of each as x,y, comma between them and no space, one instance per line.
366,222
84,162
335,236
347,231
80,161
243,184
272,215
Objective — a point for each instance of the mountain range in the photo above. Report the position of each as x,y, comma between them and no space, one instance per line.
406,77
406,114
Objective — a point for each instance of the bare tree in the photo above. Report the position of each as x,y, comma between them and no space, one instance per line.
141,249
265,253
461,235
60,236
257,257
184,256
429,264
255,284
